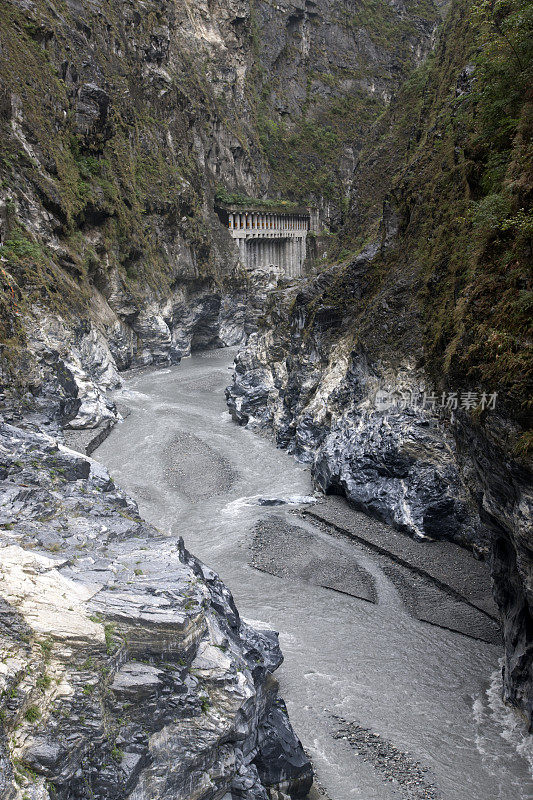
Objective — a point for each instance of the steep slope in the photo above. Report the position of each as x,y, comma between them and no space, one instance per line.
119,122
404,374
121,680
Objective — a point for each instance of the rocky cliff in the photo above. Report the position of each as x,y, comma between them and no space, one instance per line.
125,668
119,124
403,374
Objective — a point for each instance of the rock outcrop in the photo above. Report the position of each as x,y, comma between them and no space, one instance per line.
126,670
402,374
361,422
120,123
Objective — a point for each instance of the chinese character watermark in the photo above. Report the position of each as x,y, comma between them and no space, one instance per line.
451,401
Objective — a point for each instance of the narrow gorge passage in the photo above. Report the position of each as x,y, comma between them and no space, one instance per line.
356,667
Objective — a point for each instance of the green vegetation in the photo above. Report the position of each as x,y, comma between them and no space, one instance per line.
305,157
452,158
117,754
43,682
32,714
120,177
110,643
305,153
225,197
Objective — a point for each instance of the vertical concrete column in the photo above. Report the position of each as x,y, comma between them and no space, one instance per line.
291,270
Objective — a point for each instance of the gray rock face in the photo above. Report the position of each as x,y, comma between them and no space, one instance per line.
70,369
317,383
126,670
320,395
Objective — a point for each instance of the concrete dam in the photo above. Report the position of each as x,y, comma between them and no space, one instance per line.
271,238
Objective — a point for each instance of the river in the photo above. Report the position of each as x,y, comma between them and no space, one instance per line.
425,691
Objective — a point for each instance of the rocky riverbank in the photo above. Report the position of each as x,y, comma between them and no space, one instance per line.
125,668
349,403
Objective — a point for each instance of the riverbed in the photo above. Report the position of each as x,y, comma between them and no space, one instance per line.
387,706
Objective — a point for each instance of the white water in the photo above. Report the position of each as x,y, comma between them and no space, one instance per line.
428,691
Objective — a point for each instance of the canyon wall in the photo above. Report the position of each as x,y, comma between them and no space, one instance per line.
402,374
120,125
126,669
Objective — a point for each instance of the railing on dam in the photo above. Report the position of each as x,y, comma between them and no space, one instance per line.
271,238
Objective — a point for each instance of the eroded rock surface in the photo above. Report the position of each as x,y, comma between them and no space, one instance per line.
339,393
125,670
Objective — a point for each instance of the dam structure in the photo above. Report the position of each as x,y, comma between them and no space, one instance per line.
268,238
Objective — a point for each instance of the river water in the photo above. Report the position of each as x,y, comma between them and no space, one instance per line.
429,692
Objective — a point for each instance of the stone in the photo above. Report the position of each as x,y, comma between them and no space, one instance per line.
116,681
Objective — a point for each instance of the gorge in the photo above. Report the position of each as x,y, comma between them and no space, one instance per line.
336,195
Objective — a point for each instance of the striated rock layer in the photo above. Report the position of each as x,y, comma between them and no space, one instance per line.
356,370
125,669
344,406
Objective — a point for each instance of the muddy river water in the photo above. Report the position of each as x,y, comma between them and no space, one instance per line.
429,695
